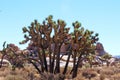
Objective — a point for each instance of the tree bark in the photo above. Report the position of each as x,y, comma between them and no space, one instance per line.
44,59
65,69
75,69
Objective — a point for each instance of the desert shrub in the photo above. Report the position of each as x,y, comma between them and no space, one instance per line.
102,76
89,74
4,72
14,77
50,76
12,53
116,76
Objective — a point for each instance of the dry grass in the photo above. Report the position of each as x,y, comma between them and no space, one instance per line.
29,73
19,74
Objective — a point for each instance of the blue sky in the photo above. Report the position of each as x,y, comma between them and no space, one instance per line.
101,16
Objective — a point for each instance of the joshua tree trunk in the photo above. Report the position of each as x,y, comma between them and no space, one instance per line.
50,61
53,60
44,59
40,58
36,67
74,61
57,68
65,69
75,69
74,58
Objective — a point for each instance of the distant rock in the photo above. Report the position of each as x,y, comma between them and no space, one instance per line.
100,49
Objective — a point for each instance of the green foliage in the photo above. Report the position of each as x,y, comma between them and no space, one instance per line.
106,56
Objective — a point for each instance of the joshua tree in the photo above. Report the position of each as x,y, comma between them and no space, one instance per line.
40,35
106,58
11,53
83,43
51,35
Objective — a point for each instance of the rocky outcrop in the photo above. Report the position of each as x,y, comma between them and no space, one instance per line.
100,49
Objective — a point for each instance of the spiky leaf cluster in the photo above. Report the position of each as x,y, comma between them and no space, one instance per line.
84,39
40,34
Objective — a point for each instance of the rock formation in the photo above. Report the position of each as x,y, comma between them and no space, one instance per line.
100,49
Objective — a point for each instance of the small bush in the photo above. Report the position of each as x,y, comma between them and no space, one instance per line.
50,76
14,77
